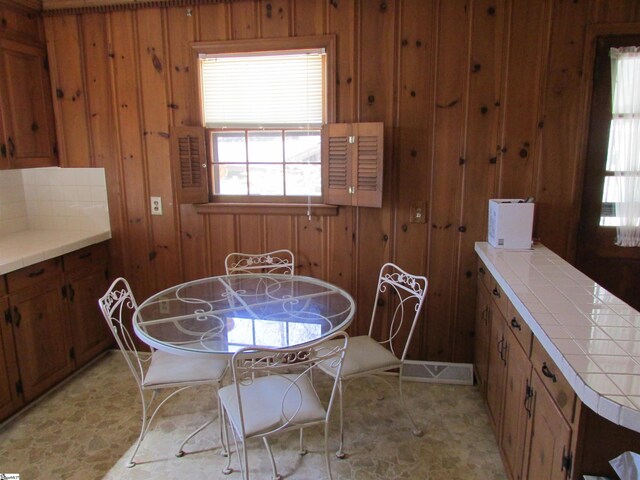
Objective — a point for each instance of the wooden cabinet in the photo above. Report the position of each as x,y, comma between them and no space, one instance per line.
548,451
27,133
52,323
85,282
10,400
543,430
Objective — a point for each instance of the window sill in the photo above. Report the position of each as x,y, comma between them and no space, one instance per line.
216,208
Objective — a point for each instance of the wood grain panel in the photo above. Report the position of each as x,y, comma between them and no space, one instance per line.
275,18
213,22
452,31
311,243
250,234
165,251
376,81
561,114
412,165
67,82
527,39
482,113
134,182
244,21
309,17
222,236
102,125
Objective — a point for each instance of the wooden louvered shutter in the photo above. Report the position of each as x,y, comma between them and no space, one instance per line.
353,163
336,163
367,164
189,159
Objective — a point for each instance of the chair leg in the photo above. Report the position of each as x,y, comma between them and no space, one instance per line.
340,453
273,462
417,431
302,450
225,441
143,428
180,452
326,450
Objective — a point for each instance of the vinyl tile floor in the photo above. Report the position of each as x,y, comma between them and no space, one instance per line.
86,429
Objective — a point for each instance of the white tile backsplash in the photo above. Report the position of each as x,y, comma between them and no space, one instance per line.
53,198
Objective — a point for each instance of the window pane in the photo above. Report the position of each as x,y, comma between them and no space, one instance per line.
265,147
265,179
230,147
302,146
303,179
230,179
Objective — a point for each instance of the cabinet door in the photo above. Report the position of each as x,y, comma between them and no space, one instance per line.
89,329
550,437
482,336
42,336
9,398
497,369
514,420
26,106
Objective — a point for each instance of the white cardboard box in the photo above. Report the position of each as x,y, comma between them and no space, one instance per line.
510,223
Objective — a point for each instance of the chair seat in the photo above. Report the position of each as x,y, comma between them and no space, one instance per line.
363,355
169,369
262,403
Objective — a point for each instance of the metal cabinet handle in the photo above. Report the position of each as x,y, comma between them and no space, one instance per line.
481,271
548,373
37,273
12,147
515,324
496,292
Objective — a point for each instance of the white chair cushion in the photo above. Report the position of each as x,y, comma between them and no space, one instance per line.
363,355
267,404
167,368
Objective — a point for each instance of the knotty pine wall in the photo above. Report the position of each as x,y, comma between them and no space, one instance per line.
480,99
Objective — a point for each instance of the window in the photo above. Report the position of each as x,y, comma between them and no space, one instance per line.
263,106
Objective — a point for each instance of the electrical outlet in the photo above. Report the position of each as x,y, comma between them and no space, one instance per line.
418,213
156,205
164,306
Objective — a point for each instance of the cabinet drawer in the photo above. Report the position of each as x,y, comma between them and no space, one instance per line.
85,257
556,384
520,329
500,299
3,286
28,276
485,276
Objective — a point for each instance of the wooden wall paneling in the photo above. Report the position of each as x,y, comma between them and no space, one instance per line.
222,234
452,71
213,22
165,253
412,166
376,57
482,113
250,234
134,180
244,20
280,232
557,189
67,83
275,18
527,40
606,11
342,233
103,129
311,241
184,108
309,17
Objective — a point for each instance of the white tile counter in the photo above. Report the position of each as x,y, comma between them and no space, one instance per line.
28,247
593,337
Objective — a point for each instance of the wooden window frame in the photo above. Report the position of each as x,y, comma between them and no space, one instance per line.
326,42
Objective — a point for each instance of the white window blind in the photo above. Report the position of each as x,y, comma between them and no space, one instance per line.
263,90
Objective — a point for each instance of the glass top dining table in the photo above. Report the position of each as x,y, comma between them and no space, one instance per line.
219,315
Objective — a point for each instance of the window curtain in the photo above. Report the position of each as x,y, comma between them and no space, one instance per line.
623,157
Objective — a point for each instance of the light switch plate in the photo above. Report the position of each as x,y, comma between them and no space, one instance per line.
418,213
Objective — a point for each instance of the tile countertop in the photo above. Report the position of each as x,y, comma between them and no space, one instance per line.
593,336
27,247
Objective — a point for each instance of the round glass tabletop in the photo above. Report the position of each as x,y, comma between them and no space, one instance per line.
223,314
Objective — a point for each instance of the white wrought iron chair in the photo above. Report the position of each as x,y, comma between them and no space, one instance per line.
160,370
399,299
278,261
266,398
